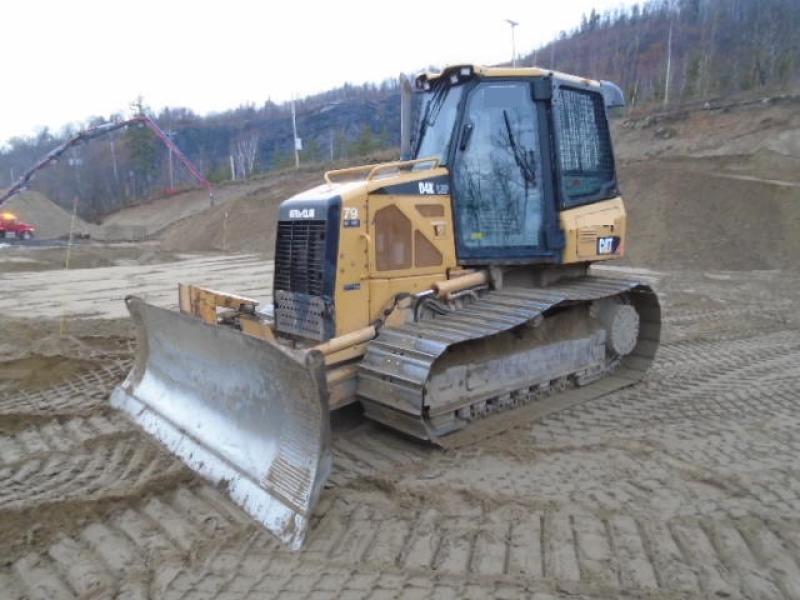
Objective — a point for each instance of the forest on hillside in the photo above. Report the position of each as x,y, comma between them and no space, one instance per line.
660,52
678,50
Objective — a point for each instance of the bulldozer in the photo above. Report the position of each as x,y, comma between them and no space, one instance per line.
444,294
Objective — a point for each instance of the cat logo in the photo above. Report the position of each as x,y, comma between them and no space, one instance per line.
426,187
306,213
607,245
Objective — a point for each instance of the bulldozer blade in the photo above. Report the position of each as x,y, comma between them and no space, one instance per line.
247,414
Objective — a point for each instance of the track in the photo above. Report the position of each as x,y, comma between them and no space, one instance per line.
397,368
683,486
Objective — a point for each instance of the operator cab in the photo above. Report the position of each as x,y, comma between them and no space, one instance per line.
520,145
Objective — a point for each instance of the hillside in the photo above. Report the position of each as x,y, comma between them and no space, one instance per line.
745,125
700,181
246,222
683,50
147,219
705,188
701,184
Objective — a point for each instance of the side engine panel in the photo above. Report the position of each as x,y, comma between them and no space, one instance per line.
594,232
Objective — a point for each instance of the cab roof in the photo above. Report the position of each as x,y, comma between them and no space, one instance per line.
469,70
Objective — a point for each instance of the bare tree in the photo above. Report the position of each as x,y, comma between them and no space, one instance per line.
245,151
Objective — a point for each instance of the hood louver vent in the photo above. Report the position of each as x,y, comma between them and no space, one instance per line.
300,257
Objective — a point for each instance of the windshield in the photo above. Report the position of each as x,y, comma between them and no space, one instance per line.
436,115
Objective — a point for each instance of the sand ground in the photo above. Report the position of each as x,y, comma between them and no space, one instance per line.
686,485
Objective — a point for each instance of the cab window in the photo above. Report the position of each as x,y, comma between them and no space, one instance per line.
584,147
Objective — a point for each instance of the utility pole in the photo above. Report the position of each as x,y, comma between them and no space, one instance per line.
297,142
513,25
669,64
171,171
76,162
170,134
113,157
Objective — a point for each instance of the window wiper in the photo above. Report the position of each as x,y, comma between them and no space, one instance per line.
432,110
520,157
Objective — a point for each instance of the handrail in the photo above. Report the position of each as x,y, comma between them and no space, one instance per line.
337,172
375,169
403,164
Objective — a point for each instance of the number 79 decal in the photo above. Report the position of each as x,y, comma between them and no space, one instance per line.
350,217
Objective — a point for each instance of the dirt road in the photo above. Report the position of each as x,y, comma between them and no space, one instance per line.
684,486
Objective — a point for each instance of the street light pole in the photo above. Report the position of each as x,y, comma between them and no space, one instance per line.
296,139
513,25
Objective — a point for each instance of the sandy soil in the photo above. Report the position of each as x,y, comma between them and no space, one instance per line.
149,218
713,188
83,254
695,213
683,486
99,292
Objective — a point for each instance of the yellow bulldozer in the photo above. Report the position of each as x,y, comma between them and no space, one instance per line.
441,293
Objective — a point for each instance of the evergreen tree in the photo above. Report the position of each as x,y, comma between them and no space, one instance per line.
143,149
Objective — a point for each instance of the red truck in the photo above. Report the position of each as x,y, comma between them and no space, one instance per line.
10,227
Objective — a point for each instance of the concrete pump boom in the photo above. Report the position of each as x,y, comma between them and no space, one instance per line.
98,131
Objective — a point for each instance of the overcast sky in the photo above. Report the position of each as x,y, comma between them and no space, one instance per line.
64,61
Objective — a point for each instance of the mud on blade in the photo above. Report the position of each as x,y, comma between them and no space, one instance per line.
237,410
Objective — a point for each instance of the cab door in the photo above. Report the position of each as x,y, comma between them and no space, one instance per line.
499,180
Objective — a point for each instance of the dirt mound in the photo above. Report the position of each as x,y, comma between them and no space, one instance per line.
51,221
245,221
713,186
247,203
243,224
698,214
147,219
